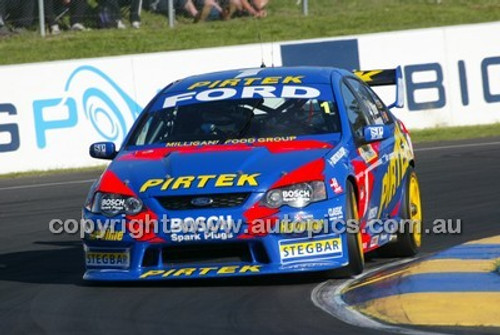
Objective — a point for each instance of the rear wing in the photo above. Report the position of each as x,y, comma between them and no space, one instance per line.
385,78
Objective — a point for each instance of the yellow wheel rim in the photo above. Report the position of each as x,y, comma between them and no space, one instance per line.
415,207
356,217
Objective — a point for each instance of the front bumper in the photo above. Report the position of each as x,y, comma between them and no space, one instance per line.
120,257
208,271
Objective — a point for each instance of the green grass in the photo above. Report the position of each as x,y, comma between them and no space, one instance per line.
285,21
455,133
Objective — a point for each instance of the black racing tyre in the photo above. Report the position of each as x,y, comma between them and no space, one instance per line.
408,241
354,244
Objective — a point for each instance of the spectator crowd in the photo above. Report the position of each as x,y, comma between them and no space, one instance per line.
18,16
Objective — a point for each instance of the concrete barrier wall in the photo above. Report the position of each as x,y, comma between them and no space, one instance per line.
51,112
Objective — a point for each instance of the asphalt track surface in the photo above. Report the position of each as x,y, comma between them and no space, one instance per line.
41,290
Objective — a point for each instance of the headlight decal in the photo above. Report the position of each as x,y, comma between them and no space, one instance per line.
112,204
298,188
311,171
138,216
115,197
296,196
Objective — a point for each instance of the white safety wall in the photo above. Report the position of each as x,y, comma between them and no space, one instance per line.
440,50
51,112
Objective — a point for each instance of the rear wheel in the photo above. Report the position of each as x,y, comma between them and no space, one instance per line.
409,239
354,244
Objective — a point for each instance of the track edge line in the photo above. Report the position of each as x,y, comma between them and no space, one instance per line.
327,296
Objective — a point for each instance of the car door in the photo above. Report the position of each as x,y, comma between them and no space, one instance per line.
372,160
400,154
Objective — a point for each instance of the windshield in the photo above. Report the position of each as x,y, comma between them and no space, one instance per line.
226,120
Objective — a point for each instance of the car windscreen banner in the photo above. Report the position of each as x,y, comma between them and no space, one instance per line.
310,91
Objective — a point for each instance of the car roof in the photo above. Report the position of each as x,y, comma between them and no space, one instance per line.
308,75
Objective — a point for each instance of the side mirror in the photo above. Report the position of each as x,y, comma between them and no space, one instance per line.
103,150
376,133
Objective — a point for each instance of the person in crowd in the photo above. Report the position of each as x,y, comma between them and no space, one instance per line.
19,13
208,9
199,10
77,9
256,8
110,13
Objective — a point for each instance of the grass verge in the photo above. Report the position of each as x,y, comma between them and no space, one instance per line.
455,133
284,22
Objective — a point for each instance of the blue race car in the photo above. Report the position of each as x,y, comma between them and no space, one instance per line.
256,171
